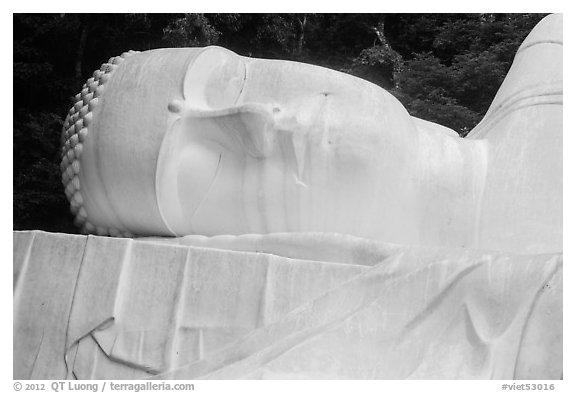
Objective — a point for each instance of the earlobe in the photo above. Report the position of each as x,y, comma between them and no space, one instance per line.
185,172
166,177
196,147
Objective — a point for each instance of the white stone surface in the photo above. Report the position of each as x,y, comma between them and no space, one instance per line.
522,192
207,142
112,308
347,238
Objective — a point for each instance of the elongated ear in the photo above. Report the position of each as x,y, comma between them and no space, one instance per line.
214,79
192,152
186,169
208,128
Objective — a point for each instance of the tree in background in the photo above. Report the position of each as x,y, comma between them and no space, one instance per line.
451,75
443,67
190,30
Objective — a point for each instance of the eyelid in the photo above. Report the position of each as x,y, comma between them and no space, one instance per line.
215,79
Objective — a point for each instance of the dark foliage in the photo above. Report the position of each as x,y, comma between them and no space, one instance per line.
443,67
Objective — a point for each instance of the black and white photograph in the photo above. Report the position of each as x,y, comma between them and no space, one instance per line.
287,196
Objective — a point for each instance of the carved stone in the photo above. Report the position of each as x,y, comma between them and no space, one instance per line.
207,142
297,222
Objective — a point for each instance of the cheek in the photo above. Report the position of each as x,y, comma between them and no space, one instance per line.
344,132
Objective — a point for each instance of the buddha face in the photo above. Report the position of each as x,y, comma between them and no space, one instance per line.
259,146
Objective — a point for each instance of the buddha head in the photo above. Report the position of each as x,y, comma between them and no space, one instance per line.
203,141
174,142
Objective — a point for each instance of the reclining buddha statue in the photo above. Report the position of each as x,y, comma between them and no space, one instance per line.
201,141
289,221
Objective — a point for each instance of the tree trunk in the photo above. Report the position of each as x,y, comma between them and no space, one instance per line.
80,50
379,30
301,38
